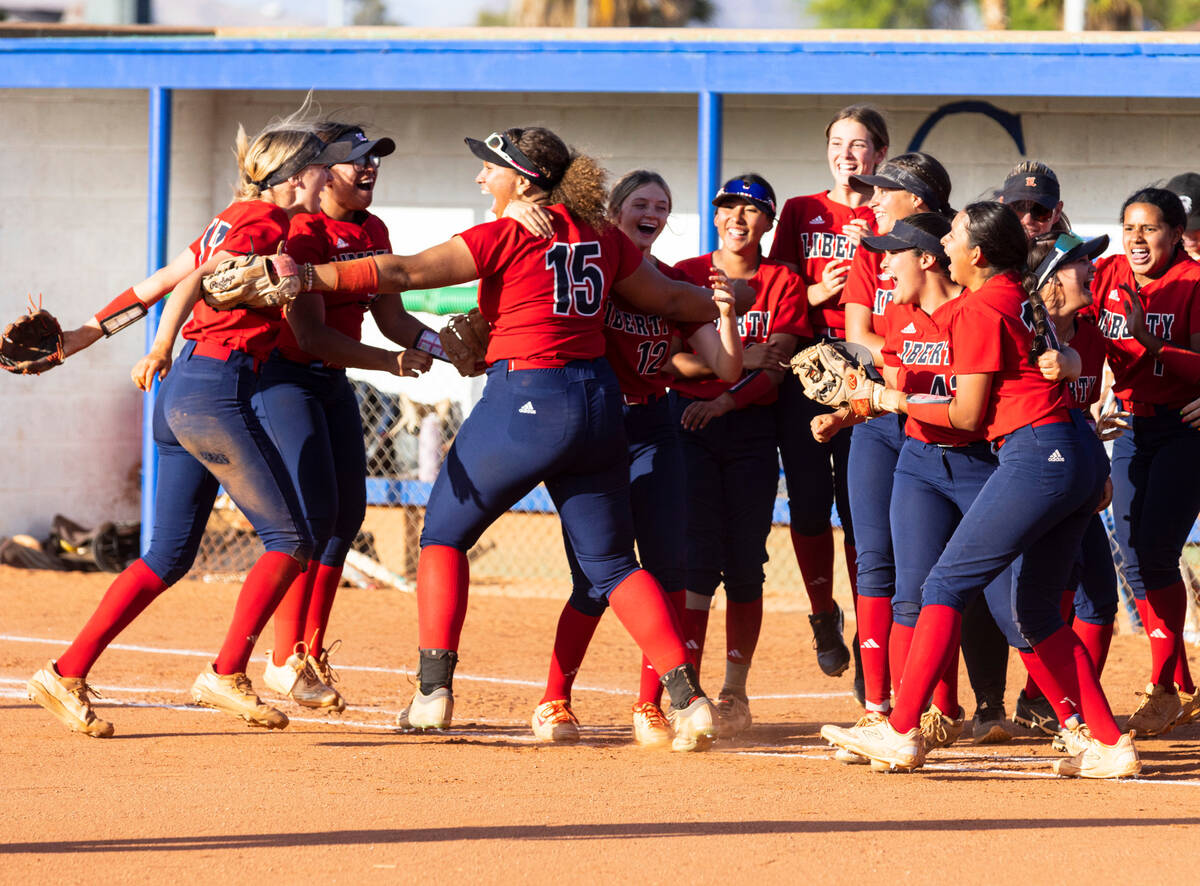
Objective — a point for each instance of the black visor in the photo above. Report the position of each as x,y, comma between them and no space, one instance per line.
313,152
905,236
892,178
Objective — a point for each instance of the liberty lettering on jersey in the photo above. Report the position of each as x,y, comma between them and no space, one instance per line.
1115,327
753,325
883,298
648,325
1081,389
578,280
826,244
925,353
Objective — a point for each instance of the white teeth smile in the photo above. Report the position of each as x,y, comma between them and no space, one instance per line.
1139,255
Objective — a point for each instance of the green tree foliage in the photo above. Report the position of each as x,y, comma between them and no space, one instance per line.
1021,15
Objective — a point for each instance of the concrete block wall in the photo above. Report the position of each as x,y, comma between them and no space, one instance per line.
73,212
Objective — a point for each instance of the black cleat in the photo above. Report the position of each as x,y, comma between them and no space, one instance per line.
832,654
1036,714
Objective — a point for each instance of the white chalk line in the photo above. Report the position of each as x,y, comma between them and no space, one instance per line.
598,731
405,672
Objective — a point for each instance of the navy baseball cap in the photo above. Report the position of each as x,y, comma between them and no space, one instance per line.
749,191
361,146
1186,186
905,236
1031,187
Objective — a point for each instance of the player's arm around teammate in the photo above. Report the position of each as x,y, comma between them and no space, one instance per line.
636,346
1035,505
728,439
818,234
1149,307
207,437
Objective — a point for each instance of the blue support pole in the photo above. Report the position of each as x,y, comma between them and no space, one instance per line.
708,163
159,183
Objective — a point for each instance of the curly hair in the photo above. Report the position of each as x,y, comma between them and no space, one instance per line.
580,182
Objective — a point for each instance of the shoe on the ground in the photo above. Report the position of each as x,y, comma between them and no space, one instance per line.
1189,708
939,730
832,654
327,674
733,714
991,725
234,694
1036,713
67,699
432,711
1102,761
849,757
1156,712
1072,739
297,679
883,745
555,721
650,726
695,726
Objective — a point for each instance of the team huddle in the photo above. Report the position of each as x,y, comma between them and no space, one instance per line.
939,374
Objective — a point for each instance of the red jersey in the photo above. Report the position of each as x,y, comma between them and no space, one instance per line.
1089,344
918,346
779,306
545,299
243,228
1172,307
869,286
319,239
992,332
809,236
637,344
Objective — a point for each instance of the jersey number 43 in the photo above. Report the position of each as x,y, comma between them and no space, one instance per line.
578,280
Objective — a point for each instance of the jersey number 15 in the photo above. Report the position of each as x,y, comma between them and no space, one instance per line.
578,281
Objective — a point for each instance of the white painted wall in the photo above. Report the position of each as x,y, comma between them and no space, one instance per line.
73,213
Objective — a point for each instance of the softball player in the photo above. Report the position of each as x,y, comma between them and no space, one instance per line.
818,235
637,346
308,407
1090,604
1037,502
1031,190
729,439
907,185
207,436
1149,307
550,410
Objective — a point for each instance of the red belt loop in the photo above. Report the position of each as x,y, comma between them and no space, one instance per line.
641,399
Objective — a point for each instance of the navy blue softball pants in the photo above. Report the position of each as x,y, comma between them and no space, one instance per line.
559,426
656,485
1030,515
311,414
1156,495
732,473
207,437
874,452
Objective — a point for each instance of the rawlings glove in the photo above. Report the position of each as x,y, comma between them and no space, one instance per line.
830,372
252,281
32,343
465,341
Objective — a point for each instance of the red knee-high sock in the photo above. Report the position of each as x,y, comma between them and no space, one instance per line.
571,639
1166,610
1066,608
650,688
814,556
126,598
1183,674
945,691
1032,690
743,623
443,575
645,611
266,584
291,613
874,616
852,569
1095,639
320,605
899,642
936,635
1071,667
1062,698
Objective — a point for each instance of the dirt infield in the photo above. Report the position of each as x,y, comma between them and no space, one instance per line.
181,792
